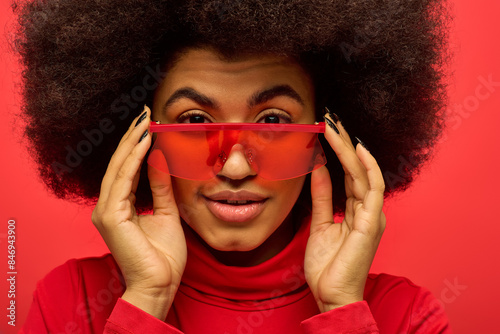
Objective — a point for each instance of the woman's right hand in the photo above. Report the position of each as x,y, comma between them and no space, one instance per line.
149,249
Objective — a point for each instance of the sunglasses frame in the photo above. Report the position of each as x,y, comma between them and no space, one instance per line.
279,127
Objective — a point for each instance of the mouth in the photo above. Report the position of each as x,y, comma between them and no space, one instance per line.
229,202
237,207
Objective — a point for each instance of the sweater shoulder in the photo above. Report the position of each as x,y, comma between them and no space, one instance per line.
398,296
390,288
78,278
81,292
73,271
388,281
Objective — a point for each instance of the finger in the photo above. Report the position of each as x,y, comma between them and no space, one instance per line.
356,177
370,221
129,139
135,183
135,123
127,144
321,194
374,198
161,188
122,186
369,218
343,133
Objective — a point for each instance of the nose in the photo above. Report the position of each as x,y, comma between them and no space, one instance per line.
237,166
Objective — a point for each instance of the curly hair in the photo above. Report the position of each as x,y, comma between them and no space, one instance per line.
89,66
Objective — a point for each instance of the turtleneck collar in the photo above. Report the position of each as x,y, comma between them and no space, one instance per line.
280,275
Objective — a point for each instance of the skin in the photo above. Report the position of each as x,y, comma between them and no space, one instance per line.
151,249
229,86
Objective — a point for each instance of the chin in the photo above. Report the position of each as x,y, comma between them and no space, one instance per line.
241,240
234,245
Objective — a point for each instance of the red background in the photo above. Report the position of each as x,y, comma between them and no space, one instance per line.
442,233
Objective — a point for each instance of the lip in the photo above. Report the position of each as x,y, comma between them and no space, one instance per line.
237,213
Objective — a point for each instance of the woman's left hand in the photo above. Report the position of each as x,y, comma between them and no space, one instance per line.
339,255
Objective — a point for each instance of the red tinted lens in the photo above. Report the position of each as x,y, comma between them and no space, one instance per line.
192,155
200,155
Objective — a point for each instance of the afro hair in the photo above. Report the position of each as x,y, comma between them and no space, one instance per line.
89,67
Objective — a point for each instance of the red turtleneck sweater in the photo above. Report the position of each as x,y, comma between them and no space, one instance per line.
83,296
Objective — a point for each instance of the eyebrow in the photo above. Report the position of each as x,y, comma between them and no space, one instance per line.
191,94
258,98
268,94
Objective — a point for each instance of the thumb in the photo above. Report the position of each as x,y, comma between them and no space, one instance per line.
321,193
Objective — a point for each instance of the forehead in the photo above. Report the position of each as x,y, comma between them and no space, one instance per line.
205,64
191,58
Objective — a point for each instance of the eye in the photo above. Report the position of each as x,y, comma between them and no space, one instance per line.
193,117
271,119
274,116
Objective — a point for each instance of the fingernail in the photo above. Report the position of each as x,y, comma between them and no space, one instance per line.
333,115
144,135
362,144
333,126
143,116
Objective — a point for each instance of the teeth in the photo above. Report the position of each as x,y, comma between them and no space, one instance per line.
236,202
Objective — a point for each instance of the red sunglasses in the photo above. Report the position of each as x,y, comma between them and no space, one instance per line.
198,151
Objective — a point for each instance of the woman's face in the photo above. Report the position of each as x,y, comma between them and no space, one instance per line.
236,210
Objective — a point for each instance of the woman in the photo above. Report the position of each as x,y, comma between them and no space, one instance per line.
249,248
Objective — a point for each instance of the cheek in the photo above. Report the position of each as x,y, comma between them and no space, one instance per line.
185,193
295,185
288,192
